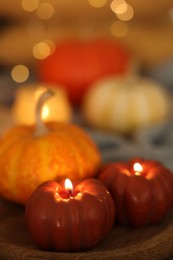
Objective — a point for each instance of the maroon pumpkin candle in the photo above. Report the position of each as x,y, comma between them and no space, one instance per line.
62,219
142,190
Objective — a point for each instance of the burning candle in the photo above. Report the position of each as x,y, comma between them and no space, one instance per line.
137,168
141,189
64,218
69,186
44,151
68,191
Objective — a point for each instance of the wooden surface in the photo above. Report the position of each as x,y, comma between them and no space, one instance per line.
153,242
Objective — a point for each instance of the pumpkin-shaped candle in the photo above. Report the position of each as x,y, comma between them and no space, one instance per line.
142,190
67,219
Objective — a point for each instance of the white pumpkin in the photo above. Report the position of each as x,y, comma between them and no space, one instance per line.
125,104
57,108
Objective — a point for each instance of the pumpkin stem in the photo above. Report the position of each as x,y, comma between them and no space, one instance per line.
40,127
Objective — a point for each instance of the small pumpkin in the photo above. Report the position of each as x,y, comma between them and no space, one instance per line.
142,196
30,155
74,223
57,108
125,104
76,64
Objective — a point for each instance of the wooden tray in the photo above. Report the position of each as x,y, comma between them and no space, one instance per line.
152,242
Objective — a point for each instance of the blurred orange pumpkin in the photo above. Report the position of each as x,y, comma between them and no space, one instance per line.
29,157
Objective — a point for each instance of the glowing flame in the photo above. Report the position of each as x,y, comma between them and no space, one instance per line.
45,112
137,168
68,185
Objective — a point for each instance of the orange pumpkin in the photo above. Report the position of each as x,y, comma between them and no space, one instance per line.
29,157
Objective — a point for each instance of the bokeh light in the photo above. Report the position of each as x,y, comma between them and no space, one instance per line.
41,50
20,73
118,6
30,5
119,28
45,11
51,45
97,3
127,15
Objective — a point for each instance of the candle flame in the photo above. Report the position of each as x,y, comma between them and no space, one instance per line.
68,185
137,168
45,112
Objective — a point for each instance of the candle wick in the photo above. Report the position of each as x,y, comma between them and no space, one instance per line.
40,125
70,192
137,173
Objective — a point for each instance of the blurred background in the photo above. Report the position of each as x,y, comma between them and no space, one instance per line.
110,63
